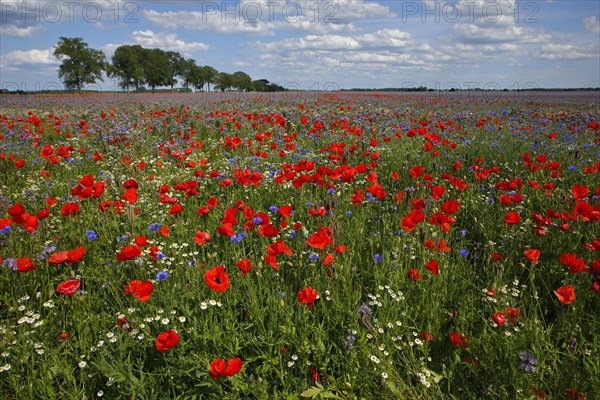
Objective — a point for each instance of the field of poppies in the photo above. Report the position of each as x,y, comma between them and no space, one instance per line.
308,245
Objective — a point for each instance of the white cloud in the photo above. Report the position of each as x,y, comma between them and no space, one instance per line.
18,31
556,51
269,17
592,24
33,56
312,42
344,10
382,39
213,22
166,41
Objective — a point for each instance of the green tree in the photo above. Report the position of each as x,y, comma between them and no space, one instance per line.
186,70
224,81
260,85
211,75
242,81
176,67
80,64
127,66
156,67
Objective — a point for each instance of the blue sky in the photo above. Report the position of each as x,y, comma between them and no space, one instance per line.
317,44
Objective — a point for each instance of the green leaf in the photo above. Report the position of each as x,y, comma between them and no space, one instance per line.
312,392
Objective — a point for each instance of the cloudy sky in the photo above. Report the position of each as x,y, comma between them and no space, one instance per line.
320,44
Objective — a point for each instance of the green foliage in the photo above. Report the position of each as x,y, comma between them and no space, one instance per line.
80,64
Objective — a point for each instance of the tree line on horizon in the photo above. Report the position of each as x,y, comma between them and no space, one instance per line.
136,67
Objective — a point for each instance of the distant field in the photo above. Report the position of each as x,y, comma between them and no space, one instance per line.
13,100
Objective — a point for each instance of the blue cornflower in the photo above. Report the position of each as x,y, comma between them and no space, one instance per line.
364,309
528,361
349,342
162,275
313,257
154,227
463,252
378,258
49,249
348,213
122,238
10,263
91,235
6,229
257,220
273,209
237,238
160,255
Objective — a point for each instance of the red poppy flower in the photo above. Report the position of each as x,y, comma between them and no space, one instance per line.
320,239
244,265
25,265
416,171
43,213
58,258
532,255
437,192
68,287
220,368
216,279
212,202
328,259
164,231
450,207
131,183
175,209
307,296
512,314
87,180
226,229
433,267
167,340
77,254
565,294
340,249
16,210
413,275
130,195
285,211
69,209
140,290
580,192
499,318
141,241
201,238
268,230
273,250
315,374
458,340
575,264
512,218
408,224
128,253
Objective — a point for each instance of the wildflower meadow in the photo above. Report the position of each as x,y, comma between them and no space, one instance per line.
300,245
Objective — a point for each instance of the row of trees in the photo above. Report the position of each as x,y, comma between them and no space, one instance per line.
135,67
